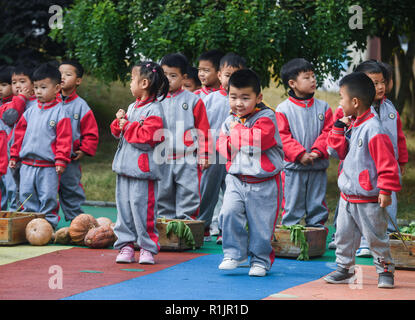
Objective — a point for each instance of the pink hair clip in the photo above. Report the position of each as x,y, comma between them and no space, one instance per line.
147,65
154,70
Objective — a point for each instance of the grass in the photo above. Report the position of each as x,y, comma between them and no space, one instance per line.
99,179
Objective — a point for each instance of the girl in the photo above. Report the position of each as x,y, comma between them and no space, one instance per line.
139,130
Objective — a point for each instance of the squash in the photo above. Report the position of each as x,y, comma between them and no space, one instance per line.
62,236
102,221
39,232
101,237
80,226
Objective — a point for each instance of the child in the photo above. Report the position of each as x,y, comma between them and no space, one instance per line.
250,142
304,123
4,158
192,82
208,72
6,92
217,109
390,120
134,163
84,139
186,147
42,143
369,174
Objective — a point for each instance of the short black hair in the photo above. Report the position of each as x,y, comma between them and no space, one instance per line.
47,70
359,85
24,69
6,74
232,60
245,78
78,67
176,60
291,69
369,67
192,73
213,56
159,84
387,70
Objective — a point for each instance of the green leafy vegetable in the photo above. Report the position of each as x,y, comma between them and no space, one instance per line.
182,230
297,237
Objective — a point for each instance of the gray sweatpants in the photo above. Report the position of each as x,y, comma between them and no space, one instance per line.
179,191
42,184
304,195
136,213
255,204
362,219
71,192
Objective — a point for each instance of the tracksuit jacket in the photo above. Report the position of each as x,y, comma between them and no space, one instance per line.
204,92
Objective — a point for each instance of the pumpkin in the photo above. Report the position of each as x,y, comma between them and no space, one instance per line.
39,232
102,221
101,237
62,236
80,226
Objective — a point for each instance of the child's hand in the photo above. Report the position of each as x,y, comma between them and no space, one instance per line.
204,164
346,121
314,155
25,91
384,200
79,154
403,170
60,169
120,114
121,123
306,159
12,164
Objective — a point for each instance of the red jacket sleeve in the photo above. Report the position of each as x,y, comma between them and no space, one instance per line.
320,145
19,133
135,132
18,104
291,147
337,141
223,146
115,128
202,126
89,134
380,147
3,153
63,142
403,156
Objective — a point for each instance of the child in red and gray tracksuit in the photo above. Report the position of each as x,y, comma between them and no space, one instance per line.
4,159
42,143
85,139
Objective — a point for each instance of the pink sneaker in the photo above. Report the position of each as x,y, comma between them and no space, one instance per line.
126,255
146,257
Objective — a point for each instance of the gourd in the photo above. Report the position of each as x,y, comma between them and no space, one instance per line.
39,232
101,237
80,226
62,236
103,221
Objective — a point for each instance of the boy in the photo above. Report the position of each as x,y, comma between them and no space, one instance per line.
192,82
187,144
217,108
304,123
42,143
6,92
250,142
369,174
84,138
208,72
4,158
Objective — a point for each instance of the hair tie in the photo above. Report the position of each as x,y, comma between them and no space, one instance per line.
147,65
154,70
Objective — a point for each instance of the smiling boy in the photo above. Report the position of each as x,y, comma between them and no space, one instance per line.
209,65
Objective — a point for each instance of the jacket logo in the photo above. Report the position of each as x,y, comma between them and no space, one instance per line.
141,122
392,116
321,116
76,116
185,106
360,143
52,123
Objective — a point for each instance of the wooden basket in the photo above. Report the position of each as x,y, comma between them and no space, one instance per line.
173,242
283,247
400,254
13,226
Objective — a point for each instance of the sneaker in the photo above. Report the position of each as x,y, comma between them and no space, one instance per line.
219,240
257,270
126,255
332,245
146,257
386,280
341,275
230,264
364,252
207,238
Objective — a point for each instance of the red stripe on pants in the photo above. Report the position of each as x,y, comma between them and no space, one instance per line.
150,213
277,180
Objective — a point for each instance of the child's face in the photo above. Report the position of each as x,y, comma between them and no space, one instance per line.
138,83
243,101
207,73
379,83
5,90
69,78
46,90
348,104
224,74
175,77
305,84
190,85
20,81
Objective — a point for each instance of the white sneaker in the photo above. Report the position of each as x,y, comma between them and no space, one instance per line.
257,271
363,252
230,264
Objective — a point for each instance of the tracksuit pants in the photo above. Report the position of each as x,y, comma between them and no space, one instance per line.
252,206
355,220
136,213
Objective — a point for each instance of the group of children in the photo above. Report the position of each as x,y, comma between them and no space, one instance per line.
194,135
